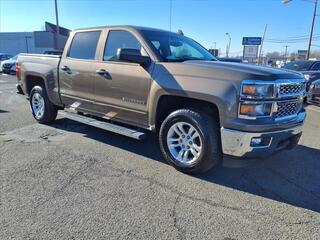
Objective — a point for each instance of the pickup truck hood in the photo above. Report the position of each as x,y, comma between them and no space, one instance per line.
229,71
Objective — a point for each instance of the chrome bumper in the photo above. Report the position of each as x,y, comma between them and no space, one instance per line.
238,143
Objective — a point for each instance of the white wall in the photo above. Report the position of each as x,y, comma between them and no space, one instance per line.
19,42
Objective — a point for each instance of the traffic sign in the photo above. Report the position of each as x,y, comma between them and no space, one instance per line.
251,41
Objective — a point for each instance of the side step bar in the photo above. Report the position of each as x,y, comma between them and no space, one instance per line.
104,125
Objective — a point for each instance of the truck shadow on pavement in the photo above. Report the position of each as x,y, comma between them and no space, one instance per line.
291,177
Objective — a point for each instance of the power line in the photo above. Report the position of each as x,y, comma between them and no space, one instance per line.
293,39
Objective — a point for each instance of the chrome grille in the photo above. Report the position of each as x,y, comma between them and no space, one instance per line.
287,109
288,89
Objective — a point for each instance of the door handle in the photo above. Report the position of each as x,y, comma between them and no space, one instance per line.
104,73
65,68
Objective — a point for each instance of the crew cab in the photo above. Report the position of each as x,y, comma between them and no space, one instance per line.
131,80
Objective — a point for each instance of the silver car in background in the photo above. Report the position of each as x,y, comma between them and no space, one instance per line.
9,66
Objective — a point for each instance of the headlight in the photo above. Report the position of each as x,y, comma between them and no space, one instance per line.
312,85
307,77
257,90
253,110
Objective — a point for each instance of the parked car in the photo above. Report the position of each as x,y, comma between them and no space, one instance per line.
145,79
302,66
313,96
9,66
310,77
53,52
310,69
3,57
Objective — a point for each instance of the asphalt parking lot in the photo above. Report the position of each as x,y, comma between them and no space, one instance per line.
70,181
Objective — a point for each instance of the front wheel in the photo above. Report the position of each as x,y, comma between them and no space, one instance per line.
42,109
190,141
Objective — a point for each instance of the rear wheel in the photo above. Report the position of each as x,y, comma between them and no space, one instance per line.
42,109
190,141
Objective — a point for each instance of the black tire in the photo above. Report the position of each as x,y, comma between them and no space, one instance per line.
209,132
50,110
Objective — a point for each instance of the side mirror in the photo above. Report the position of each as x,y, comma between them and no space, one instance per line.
133,55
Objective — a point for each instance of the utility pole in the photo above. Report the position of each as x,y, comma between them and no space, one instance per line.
315,2
57,26
170,14
262,41
285,53
215,45
312,27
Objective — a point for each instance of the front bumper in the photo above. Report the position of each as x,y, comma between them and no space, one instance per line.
239,144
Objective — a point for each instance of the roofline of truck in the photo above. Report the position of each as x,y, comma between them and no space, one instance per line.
133,27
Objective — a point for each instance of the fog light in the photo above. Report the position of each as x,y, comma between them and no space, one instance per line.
260,141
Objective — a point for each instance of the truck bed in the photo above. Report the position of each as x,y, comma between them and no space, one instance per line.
43,67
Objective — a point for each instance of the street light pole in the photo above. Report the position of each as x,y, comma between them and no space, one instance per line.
57,26
285,53
228,45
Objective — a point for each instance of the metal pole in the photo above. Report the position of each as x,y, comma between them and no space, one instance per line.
57,26
228,45
312,27
170,14
285,53
26,37
262,41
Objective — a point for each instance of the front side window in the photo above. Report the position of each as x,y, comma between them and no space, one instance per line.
84,45
120,39
176,48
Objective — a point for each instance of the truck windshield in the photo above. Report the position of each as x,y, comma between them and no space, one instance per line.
173,47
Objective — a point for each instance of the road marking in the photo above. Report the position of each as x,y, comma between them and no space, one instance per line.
3,81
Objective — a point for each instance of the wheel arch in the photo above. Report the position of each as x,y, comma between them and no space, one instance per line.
166,104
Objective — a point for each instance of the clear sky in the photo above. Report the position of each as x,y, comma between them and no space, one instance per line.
207,21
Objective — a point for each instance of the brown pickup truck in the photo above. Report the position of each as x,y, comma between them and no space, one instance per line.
130,79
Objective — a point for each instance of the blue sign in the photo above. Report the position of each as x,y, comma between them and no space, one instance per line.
251,41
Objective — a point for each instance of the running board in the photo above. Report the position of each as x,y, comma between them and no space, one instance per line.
104,125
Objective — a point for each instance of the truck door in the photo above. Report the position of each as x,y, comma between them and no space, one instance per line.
121,93
77,70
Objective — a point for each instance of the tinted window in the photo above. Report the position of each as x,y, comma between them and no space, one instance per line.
299,65
84,45
120,39
4,57
316,67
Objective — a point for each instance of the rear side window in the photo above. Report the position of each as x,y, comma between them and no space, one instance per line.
84,45
120,39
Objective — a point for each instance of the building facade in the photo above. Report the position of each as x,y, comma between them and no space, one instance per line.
14,43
